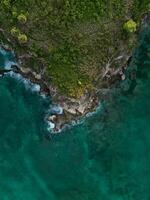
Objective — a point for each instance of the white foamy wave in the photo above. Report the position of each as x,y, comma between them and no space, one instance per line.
15,75
28,85
3,52
8,64
31,86
43,95
6,52
50,126
56,110
35,88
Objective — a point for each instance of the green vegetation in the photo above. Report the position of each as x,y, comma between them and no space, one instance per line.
71,40
22,18
22,38
15,32
130,26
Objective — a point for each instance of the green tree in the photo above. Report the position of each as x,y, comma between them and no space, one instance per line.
22,18
22,38
130,26
15,32
6,3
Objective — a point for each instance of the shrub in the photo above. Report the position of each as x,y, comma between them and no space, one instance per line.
14,14
130,26
15,32
22,38
22,18
6,3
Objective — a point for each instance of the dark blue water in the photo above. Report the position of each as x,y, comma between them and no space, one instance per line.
104,158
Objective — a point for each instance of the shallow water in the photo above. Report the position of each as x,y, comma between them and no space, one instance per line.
104,158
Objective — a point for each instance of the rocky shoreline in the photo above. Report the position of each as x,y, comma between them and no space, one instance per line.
65,110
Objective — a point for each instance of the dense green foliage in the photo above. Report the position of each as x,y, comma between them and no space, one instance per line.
130,26
22,18
71,39
22,38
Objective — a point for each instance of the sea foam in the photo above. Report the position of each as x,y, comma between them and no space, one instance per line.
28,84
50,126
8,64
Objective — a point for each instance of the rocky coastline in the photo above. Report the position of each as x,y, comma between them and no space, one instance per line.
65,110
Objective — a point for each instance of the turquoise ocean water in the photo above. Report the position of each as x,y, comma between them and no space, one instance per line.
104,158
